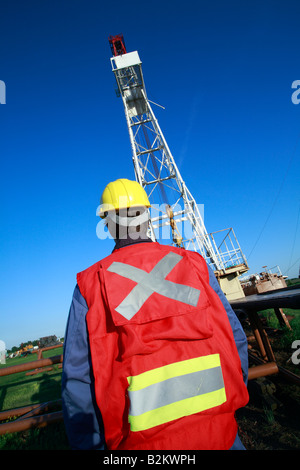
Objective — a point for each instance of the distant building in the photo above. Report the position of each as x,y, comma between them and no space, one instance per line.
48,341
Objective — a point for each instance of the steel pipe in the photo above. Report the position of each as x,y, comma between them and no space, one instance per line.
29,410
262,370
290,376
31,365
17,411
32,422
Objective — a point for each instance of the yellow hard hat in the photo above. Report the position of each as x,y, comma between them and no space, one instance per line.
122,194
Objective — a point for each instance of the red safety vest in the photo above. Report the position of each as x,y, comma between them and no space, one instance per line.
166,367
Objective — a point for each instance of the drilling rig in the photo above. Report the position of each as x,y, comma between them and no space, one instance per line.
174,214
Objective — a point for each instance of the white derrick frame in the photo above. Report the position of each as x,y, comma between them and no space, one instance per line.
154,166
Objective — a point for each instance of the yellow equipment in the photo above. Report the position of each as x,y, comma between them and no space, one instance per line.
122,194
177,238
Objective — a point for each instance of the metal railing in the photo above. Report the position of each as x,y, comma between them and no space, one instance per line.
227,246
37,415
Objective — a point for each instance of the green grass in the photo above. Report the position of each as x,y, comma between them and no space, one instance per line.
51,437
288,335
293,282
19,390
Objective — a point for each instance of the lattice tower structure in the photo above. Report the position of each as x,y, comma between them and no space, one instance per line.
155,167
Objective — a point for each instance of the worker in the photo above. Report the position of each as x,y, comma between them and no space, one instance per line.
154,356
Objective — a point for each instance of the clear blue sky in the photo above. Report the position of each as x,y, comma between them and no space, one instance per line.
223,71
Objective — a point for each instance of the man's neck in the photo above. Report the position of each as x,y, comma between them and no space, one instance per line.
120,243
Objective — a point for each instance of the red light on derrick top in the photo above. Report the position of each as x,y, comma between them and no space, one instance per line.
117,44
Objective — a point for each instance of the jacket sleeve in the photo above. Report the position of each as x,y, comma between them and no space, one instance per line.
82,417
238,332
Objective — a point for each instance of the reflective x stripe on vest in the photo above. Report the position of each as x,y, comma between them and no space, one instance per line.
155,281
175,390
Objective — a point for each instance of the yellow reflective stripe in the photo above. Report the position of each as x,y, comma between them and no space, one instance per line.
176,390
177,410
137,382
